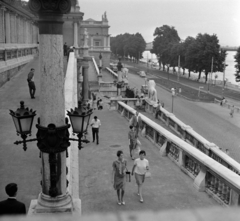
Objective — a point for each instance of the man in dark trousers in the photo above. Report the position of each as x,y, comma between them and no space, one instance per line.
31,84
11,206
95,128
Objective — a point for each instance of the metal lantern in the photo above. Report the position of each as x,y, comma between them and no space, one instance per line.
23,119
79,119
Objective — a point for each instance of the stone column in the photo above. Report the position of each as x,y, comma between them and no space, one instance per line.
75,40
104,42
2,24
52,102
7,27
108,41
85,85
91,42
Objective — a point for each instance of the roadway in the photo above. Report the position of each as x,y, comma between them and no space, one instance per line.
210,120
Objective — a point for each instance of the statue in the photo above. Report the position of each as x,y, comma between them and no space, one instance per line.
125,72
85,37
152,93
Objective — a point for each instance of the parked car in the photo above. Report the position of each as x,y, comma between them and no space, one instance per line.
142,73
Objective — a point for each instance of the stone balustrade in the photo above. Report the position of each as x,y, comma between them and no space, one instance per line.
112,72
114,100
99,75
186,133
208,174
72,162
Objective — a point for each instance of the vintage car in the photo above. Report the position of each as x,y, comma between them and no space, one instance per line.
142,73
144,89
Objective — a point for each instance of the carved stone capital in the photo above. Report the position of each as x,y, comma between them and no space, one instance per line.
50,6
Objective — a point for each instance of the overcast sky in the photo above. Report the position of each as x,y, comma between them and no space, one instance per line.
189,17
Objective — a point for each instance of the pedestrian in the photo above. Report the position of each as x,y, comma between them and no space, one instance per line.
232,111
12,206
96,123
158,108
31,84
65,47
132,140
100,105
136,122
119,176
140,167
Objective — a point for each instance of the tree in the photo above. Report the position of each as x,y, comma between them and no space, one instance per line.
200,52
165,37
237,65
132,45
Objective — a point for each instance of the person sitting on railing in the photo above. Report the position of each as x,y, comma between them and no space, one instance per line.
223,101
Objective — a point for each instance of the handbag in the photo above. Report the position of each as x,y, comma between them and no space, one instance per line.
128,176
148,174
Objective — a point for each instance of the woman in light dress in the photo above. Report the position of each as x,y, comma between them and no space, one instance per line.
140,167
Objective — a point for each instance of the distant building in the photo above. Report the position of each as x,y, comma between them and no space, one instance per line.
19,36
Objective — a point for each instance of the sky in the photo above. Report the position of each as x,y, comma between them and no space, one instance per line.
188,17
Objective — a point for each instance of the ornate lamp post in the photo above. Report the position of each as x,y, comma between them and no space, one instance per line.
51,139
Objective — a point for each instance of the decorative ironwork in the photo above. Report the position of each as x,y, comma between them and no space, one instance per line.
218,187
171,123
173,151
201,147
149,131
50,6
53,190
192,165
189,137
180,130
53,139
160,139
164,117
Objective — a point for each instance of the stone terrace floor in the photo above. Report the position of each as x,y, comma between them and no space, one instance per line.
168,188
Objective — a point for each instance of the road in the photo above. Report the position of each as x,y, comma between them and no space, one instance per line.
211,121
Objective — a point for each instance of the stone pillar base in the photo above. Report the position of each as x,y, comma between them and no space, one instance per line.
54,205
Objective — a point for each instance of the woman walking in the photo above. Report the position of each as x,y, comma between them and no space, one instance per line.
140,168
118,176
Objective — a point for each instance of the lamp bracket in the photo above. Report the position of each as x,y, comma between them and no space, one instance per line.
53,139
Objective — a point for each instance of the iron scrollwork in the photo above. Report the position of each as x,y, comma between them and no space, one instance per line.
53,139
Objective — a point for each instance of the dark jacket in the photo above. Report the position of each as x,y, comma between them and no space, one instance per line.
11,207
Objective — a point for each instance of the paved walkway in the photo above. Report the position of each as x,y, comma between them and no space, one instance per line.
168,188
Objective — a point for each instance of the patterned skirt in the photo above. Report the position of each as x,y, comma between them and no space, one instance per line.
119,183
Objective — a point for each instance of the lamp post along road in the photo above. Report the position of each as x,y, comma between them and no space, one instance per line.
173,94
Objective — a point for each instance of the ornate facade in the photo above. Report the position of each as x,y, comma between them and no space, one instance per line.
18,38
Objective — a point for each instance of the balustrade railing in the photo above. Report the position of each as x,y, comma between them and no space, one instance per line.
209,173
13,53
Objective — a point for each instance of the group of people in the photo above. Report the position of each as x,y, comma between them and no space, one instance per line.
139,169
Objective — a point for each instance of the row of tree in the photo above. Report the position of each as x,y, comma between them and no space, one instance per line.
200,54
128,45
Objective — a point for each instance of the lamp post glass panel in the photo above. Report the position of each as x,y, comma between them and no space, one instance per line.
23,120
80,120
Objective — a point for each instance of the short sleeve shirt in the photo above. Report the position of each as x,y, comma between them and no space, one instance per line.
120,168
141,166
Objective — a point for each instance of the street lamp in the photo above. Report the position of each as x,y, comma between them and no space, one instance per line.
173,94
50,139
23,119
80,120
